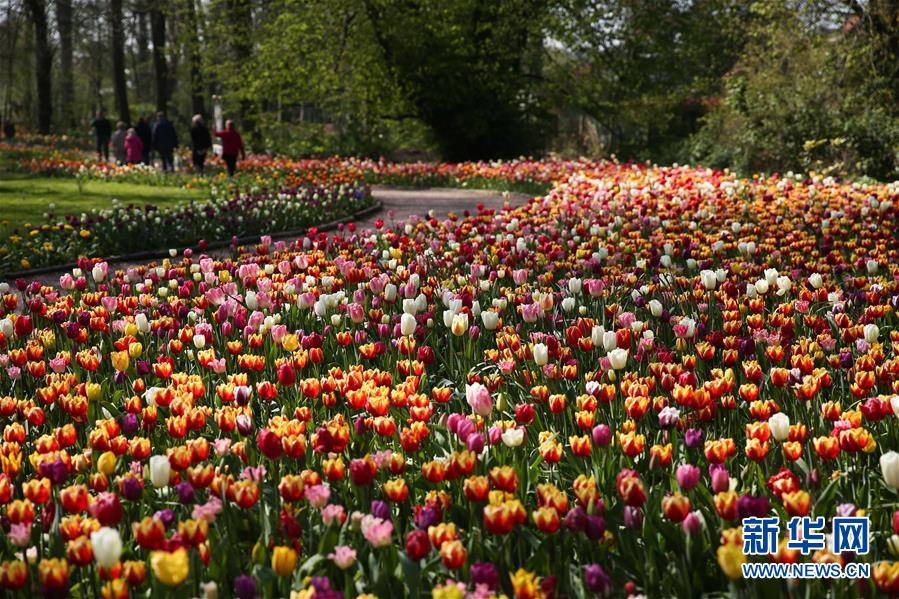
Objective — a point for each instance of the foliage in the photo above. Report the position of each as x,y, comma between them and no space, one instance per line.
644,69
803,99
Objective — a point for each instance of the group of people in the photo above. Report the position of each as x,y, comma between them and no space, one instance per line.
135,145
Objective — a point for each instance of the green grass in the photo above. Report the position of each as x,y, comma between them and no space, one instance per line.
25,199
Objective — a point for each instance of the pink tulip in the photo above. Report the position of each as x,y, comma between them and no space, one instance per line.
478,397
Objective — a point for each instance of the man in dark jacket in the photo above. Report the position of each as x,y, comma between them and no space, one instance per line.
145,133
200,141
165,140
102,132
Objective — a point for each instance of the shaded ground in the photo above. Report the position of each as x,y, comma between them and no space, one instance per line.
398,205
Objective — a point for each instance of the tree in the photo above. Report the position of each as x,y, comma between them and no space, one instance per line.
66,65
645,70
43,70
240,17
193,51
808,94
160,66
471,70
118,60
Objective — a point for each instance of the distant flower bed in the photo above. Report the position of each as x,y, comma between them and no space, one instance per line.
130,228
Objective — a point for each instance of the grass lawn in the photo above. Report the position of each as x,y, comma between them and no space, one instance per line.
25,199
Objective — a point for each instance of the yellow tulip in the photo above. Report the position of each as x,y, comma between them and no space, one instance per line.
106,463
120,360
284,560
135,349
731,560
170,567
94,391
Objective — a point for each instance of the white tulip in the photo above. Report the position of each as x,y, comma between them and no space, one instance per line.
251,301
709,280
407,325
889,467
574,286
98,274
780,426
816,280
609,341
490,320
513,437
160,471
872,332
618,358
761,286
107,546
655,308
390,292
199,341
541,354
568,304
783,285
210,590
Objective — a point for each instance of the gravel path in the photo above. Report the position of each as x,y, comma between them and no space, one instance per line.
398,205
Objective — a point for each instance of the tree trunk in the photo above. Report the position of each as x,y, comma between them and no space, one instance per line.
196,79
43,64
142,71
66,81
160,66
240,13
118,61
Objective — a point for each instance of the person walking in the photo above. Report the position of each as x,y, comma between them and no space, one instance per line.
145,133
232,146
165,140
134,147
200,141
102,132
118,143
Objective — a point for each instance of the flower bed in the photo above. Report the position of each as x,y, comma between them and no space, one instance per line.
230,213
581,396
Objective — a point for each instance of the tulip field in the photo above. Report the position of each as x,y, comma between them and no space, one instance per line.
583,396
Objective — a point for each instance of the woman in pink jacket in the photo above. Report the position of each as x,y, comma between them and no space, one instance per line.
134,147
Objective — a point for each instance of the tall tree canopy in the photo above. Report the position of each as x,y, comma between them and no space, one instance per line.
760,84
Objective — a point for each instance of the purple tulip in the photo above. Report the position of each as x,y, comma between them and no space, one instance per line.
576,519
596,579
595,527
245,587
484,573
602,435
750,506
633,517
380,509
693,438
